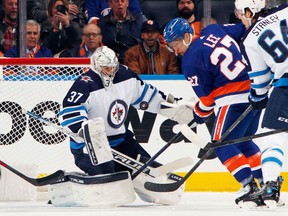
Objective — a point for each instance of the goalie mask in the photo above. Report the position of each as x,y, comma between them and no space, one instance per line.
105,63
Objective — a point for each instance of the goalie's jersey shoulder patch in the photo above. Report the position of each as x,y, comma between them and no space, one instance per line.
117,113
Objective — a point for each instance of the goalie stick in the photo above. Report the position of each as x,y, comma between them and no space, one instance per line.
156,155
50,179
123,159
156,187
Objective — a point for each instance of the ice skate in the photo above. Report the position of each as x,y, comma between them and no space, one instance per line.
245,192
269,194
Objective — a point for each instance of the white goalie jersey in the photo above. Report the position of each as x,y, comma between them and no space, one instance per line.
263,45
88,99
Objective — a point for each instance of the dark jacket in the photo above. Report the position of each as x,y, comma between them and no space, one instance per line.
120,36
40,53
67,38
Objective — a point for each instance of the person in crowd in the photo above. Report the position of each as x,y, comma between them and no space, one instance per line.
38,10
8,26
151,57
99,8
98,99
187,10
264,47
33,48
214,66
91,40
58,33
121,28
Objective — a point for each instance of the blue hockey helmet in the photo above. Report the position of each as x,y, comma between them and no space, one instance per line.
176,28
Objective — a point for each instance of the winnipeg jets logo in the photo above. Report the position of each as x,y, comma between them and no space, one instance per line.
117,113
86,79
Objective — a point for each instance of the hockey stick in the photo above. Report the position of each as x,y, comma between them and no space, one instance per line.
156,155
120,157
175,185
36,181
194,138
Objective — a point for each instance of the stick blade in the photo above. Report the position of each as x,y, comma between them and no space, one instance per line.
50,179
157,187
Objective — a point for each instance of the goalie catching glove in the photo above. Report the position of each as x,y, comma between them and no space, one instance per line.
180,111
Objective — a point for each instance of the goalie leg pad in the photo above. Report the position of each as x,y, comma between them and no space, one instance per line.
165,198
96,141
106,190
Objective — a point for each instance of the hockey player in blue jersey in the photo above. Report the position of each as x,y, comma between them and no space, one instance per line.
213,64
264,47
98,102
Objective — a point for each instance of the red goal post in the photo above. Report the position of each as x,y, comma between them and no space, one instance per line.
38,85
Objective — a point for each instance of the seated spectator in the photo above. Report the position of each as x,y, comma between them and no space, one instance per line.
39,11
121,28
9,25
34,49
58,33
151,57
91,40
99,8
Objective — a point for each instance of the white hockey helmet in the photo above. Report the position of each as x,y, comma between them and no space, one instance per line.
105,63
254,5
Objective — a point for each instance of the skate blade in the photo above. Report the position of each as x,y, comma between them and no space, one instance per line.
271,204
247,205
280,203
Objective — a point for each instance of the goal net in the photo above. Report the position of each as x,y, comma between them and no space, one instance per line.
39,86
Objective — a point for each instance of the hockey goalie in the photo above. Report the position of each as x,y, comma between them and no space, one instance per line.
95,109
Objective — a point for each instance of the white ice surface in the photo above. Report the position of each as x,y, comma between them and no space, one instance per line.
192,204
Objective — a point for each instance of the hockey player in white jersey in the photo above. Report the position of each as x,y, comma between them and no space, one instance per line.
98,104
265,49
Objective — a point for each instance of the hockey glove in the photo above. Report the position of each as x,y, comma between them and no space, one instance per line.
182,112
201,115
258,102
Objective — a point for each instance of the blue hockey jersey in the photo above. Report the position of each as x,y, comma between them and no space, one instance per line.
215,68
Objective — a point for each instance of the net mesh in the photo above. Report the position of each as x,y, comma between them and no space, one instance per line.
39,86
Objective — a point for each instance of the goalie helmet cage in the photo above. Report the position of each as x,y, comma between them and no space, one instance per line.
38,85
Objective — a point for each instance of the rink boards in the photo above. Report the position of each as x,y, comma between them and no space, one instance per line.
151,130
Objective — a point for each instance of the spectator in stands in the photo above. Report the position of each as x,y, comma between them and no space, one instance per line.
151,57
187,10
39,11
8,25
121,28
99,8
58,32
91,40
34,49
